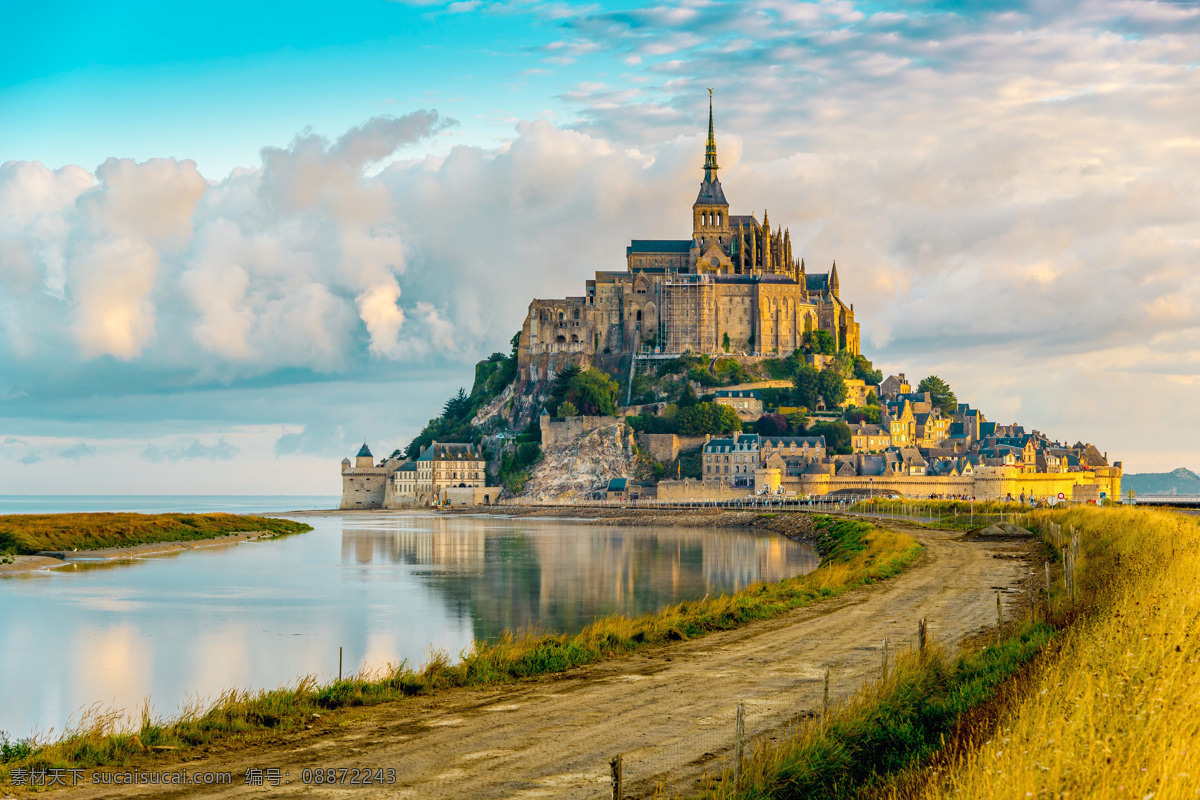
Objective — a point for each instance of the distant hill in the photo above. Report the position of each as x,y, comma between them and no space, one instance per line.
1181,481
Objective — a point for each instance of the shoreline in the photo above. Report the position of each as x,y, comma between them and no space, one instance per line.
794,525
24,565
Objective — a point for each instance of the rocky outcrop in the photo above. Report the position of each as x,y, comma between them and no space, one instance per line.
576,468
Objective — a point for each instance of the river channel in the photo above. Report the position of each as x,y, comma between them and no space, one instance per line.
180,629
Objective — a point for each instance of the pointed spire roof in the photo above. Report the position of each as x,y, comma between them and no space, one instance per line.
364,451
711,192
710,150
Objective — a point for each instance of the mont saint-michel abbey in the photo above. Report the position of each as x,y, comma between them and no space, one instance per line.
734,286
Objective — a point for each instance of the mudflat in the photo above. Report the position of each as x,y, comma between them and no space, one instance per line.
669,710
39,563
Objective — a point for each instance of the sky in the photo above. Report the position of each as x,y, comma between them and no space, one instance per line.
239,239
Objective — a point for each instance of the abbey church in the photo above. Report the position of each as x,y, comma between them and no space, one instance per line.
734,286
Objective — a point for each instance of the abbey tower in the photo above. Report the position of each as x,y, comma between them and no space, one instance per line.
734,280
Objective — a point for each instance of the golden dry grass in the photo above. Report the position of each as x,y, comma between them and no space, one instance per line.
1115,712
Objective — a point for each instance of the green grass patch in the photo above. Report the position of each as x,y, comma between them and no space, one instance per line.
888,727
26,534
855,553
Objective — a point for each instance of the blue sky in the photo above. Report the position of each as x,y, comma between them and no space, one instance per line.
237,239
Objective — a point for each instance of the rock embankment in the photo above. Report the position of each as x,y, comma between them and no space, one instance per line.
580,467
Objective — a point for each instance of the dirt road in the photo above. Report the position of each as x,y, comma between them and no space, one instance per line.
669,712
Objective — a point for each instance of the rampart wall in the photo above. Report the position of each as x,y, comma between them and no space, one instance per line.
562,431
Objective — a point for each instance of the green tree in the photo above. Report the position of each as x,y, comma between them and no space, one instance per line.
568,409
797,423
687,397
864,372
593,393
823,343
457,406
705,418
940,392
560,387
808,386
837,436
833,387
725,341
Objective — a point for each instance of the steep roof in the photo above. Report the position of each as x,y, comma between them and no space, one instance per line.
658,246
711,194
364,451
816,283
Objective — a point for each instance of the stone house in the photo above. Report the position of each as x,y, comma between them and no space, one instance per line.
745,402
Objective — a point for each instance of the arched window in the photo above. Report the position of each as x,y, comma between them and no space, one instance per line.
560,316
574,338
561,339
639,316
577,313
718,218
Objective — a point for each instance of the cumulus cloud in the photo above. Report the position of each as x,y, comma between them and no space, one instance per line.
220,450
292,265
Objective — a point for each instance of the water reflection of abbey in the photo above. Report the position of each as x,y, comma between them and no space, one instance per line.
554,575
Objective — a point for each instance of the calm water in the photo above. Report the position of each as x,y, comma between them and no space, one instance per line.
181,627
162,504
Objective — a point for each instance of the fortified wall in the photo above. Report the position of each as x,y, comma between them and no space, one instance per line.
556,432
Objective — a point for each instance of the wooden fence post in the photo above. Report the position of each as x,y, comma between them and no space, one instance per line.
999,616
885,658
825,700
921,636
1029,584
1047,587
741,743
615,764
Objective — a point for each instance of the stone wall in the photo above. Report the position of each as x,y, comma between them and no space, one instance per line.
688,489
558,432
472,496
666,447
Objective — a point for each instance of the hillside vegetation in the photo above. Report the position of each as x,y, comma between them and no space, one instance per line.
1180,481
26,534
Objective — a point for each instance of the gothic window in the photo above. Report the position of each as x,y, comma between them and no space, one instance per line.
718,218
560,316
639,316
577,313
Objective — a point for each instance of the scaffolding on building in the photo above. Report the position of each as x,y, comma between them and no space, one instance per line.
686,317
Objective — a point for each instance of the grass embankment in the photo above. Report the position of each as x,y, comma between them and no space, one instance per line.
1108,711
855,553
887,727
26,534
1113,713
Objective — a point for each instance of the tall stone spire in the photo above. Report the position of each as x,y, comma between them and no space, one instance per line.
710,212
710,150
